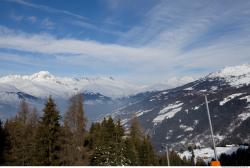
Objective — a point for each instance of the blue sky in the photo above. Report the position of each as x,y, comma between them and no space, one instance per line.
143,41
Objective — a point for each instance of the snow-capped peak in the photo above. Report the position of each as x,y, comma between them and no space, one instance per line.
234,75
43,83
232,71
42,75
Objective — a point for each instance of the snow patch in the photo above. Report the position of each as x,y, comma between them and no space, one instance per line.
246,97
244,116
186,128
141,112
214,88
196,107
189,88
228,98
219,137
168,112
207,153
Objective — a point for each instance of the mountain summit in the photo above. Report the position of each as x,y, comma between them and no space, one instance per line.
43,83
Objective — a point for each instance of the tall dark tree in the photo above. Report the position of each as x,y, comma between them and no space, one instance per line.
134,142
74,152
146,153
95,135
48,136
131,152
20,137
2,143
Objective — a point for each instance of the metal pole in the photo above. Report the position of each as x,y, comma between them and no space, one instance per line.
211,129
167,155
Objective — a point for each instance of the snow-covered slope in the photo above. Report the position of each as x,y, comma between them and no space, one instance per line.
234,75
178,116
207,154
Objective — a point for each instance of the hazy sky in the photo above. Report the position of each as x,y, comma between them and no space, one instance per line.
143,41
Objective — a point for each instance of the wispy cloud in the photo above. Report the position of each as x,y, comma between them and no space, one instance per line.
48,44
175,38
79,20
32,19
16,17
47,23
19,17
47,8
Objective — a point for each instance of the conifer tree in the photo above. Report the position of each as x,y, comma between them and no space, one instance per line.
48,136
2,144
74,129
110,150
94,136
134,141
20,137
146,153
131,152
135,131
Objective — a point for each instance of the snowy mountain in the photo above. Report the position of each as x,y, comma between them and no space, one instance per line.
37,87
101,94
43,83
178,116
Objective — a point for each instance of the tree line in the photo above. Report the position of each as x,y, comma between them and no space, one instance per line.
50,140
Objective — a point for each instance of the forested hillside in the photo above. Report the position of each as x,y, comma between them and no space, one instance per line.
50,139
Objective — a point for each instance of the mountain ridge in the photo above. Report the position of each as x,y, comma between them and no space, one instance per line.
178,116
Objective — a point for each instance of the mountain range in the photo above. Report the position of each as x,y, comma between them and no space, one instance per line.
101,94
174,116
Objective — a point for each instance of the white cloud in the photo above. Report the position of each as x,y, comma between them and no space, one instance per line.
48,44
174,39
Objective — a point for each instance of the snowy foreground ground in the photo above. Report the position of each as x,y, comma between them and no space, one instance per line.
207,153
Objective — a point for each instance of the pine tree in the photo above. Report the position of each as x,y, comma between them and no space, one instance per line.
74,130
94,136
32,125
146,153
119,146
48,136
131,152
110,149
20,137
133,142
2,144
135,131
23,113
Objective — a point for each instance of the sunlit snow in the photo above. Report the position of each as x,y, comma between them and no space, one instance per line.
168,112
